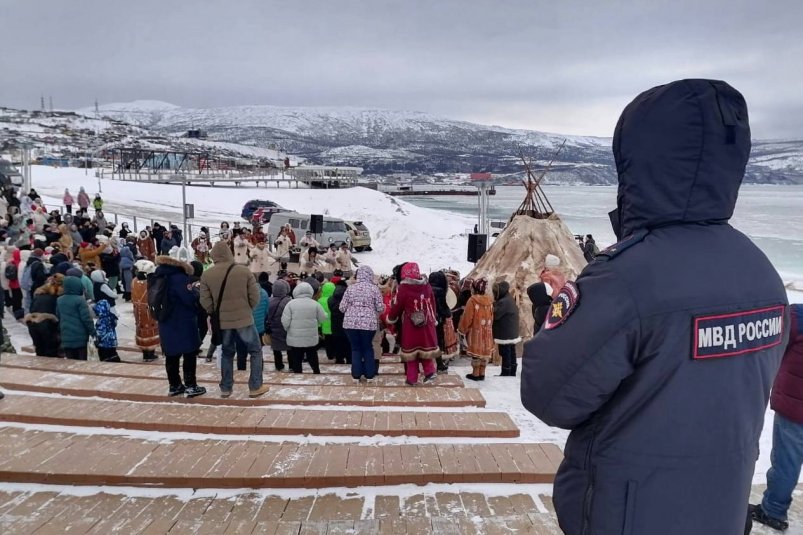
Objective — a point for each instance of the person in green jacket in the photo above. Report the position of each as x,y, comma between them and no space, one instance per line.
327,290
75,323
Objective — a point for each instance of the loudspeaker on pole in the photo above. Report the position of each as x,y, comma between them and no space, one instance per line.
316,224
476,246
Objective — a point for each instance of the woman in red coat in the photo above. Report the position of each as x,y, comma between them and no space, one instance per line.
414,310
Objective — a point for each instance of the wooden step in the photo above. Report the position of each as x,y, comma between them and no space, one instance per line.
150,390
464,513
40,410
30,456
209,373
326,366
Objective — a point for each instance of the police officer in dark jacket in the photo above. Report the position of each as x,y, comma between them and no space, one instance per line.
661,356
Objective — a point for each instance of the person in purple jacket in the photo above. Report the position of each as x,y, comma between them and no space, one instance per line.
787,431
361,305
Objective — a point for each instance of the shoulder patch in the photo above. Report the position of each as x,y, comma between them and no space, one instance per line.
737,333
563,306
621,246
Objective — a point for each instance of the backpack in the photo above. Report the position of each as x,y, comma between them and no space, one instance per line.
11,272
159,304
26,282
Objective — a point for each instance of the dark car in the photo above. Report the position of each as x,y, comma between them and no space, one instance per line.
267,208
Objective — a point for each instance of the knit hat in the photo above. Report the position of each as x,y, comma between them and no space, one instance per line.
197,268
551,261
410,271
74,272
38,252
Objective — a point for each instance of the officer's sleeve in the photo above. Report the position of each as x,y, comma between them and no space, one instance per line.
571,370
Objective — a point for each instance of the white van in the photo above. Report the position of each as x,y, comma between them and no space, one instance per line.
334,229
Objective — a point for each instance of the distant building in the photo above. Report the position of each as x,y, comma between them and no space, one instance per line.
196,134
9,174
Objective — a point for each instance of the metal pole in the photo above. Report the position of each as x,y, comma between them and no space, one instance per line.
184,204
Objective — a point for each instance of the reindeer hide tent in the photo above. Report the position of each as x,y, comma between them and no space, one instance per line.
517,256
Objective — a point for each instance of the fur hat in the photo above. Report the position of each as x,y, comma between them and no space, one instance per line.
551,261
479,285
144,266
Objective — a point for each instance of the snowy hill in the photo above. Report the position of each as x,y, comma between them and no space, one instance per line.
70,135
384,141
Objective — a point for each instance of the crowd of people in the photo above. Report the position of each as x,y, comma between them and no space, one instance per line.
64,273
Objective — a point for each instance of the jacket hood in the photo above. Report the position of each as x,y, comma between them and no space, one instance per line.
303,290
281,289
73,286
365,274
327,290
537,294
98,276
221,253
437,279
501,289
102,308
164,260
681,151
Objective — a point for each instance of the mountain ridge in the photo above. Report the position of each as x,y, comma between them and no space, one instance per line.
397,141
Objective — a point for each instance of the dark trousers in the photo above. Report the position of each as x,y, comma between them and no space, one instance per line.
508,354
242,354
329,346
278,360
69,208
295,355
108,354
362,353
341,348
173,375
75,353
16,299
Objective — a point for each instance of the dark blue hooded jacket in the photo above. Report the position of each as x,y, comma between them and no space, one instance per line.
663,368
179,332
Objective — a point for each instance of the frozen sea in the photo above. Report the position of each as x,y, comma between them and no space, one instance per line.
771,215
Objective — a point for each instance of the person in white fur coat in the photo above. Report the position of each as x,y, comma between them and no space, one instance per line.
262,260
241,246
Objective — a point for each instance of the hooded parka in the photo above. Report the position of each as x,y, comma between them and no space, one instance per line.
661,358
241,295
278,300
301,317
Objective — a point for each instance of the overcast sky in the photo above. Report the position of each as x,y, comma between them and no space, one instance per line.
566,66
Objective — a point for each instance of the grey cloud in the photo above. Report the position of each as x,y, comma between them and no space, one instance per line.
561,66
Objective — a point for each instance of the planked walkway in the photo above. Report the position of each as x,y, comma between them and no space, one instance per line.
464,513
249,420
150,390
32,456
208,374
392,367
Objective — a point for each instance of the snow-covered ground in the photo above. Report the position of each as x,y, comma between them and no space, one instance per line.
400,231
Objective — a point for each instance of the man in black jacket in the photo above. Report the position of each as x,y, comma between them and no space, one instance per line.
506,327
661,356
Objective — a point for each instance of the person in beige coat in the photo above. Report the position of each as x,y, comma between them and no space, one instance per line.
344,262
240,297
